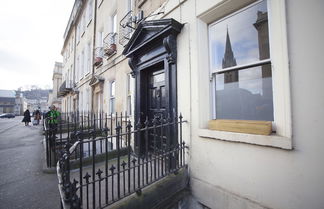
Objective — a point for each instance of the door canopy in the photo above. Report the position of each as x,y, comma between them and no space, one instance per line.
150,35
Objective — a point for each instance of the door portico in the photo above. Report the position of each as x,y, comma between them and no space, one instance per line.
152,53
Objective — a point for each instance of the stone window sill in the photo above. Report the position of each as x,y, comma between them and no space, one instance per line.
270,141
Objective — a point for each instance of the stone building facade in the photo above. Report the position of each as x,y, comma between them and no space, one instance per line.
7,101
53,97
254,128
93,63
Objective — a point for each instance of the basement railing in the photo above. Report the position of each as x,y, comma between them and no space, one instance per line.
71,124
108,159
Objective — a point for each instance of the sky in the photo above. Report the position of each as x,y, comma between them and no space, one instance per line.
243,36
245,46
31,39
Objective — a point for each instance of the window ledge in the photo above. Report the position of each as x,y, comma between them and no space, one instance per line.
271,140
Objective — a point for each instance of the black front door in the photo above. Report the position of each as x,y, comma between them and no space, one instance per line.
156,107
156,104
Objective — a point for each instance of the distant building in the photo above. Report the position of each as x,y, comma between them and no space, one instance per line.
43,105
53,98
95,75
20,103
7,101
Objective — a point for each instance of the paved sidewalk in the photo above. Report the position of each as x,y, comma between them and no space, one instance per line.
22,182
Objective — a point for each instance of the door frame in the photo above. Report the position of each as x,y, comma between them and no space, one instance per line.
154,43
141,93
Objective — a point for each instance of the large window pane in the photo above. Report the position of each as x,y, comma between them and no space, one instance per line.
112,89
112,105
240,38
245,94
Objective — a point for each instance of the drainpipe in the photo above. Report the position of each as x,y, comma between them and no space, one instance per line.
93,48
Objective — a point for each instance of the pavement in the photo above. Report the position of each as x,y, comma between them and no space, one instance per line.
22,181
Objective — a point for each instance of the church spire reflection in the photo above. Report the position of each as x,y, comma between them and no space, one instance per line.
229,61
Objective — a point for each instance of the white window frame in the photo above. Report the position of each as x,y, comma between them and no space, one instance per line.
85,60
72,75
78,35
89,58
114,24
129,5
72,44
89,11
81,102
88,100
246,66
280,74
68,50
83,24
77,69
85,97
82,64
100,38
112,97
129,108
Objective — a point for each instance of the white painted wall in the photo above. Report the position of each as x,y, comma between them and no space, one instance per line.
231,175
227,174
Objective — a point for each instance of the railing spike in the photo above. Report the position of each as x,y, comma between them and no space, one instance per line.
159,126
138,124
146,123
169,118
99,172
86,177
112,168
129,124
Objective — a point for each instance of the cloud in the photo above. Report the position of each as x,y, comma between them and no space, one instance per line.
31,40
14,62
243,36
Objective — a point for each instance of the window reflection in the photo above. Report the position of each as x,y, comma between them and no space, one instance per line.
244,36
248,98
241,92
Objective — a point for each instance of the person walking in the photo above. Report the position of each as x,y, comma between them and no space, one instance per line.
37,117
26,118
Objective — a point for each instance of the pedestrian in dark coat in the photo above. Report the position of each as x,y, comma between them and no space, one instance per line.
37,117
26,118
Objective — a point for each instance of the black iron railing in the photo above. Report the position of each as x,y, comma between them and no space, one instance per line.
110,42
71,124
98,55
103,164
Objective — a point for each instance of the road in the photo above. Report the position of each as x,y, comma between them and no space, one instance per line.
22,182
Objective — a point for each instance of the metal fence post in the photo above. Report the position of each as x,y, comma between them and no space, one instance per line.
118,128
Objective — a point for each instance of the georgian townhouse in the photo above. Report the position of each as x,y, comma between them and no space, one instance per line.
245,75
54,96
